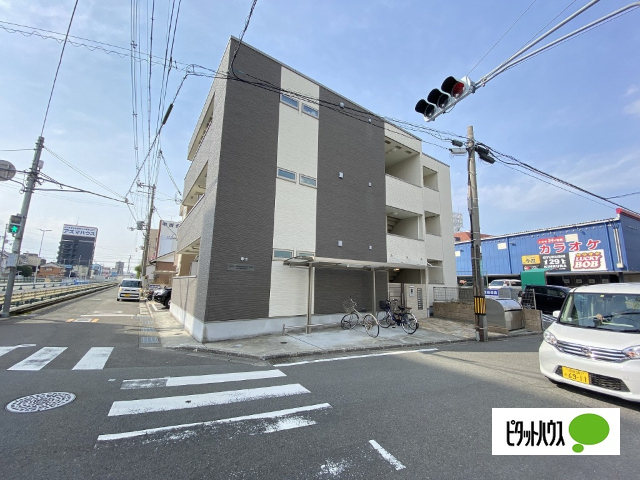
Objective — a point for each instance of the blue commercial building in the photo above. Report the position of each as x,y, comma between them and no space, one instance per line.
603,251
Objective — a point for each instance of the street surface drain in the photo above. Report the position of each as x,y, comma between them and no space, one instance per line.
40,401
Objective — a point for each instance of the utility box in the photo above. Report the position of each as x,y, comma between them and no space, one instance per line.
504,313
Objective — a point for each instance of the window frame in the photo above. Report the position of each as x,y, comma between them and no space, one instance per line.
317,112
274,257
295,175
288,98
315,181
305,253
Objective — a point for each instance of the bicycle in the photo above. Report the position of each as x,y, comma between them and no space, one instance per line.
353,318
387,316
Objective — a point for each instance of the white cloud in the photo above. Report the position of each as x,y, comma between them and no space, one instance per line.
633,108
631,90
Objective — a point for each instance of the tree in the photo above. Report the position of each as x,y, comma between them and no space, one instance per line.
25,270
138,269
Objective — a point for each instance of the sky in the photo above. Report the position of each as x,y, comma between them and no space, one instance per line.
572,111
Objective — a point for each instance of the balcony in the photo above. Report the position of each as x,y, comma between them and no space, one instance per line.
403,195
191,228
405,250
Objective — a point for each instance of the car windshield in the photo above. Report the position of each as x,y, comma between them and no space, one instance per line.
497,283
613,312
131,283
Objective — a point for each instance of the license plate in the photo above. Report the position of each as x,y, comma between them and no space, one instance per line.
127,295
575,375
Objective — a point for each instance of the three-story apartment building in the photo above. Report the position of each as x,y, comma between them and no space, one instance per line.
296,199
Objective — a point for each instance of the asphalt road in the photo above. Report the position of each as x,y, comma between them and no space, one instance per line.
431,411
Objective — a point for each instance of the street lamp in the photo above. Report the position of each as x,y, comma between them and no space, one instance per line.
35,277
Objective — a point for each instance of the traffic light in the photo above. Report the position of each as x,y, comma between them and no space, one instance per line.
15,224
439,99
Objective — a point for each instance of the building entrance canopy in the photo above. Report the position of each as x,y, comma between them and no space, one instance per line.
322,262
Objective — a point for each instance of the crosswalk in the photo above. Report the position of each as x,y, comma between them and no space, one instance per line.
94,359
141,410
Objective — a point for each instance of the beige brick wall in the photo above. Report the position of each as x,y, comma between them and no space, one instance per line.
532,320
453,311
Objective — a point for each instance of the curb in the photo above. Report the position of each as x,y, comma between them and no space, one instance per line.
337,350
52,301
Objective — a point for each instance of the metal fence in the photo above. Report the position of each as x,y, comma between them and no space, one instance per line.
453,294
528,299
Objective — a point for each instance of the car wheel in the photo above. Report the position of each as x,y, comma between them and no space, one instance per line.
118,299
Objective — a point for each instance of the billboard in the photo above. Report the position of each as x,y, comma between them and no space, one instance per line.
167,237
79,231
567,254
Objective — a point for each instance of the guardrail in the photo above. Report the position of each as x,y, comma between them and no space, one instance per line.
26,297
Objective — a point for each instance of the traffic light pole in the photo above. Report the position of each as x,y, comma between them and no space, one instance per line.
17,243
479,301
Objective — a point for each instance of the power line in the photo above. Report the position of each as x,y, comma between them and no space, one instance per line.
58,68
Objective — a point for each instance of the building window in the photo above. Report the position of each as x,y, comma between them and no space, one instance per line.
286,174
310,111
289,101
306,254
282,254
309,181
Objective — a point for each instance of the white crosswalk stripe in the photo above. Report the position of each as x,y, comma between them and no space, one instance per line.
163,404
38,359
94,359
200,379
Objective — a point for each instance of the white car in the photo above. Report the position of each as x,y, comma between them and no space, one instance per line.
595,343
130,289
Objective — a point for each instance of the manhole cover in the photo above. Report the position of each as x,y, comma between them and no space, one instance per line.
40,401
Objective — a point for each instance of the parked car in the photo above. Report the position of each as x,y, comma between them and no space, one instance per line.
548,298
500,283
130,289
163,296
595,343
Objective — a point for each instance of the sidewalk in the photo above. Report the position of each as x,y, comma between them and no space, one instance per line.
432,331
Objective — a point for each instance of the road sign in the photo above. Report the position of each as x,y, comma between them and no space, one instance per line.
12,260
7,171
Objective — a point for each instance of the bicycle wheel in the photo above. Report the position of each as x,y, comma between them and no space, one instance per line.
371,325
409,323
346,322
384,318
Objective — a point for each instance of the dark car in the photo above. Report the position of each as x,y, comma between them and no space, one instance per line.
547,298
163,296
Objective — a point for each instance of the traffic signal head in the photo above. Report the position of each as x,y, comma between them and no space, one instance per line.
447,95
15,224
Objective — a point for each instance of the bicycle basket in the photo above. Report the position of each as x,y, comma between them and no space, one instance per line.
384,304
349,306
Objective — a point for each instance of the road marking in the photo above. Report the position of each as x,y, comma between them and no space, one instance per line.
95,320
94,359
70,320
109,315
199,379
38,359
355,356
256,416
4,350
164,404
103,312
387,456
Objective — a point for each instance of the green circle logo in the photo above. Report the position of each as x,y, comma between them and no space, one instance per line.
588,429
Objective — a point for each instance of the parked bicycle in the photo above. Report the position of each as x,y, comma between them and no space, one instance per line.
354,317
388,316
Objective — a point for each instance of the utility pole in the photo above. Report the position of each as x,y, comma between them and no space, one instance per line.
4,241
17,243
479,301
35,276
147,235
129,265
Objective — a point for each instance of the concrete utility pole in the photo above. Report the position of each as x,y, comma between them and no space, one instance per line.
32,177
35,276
145,250
4,241
479,301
